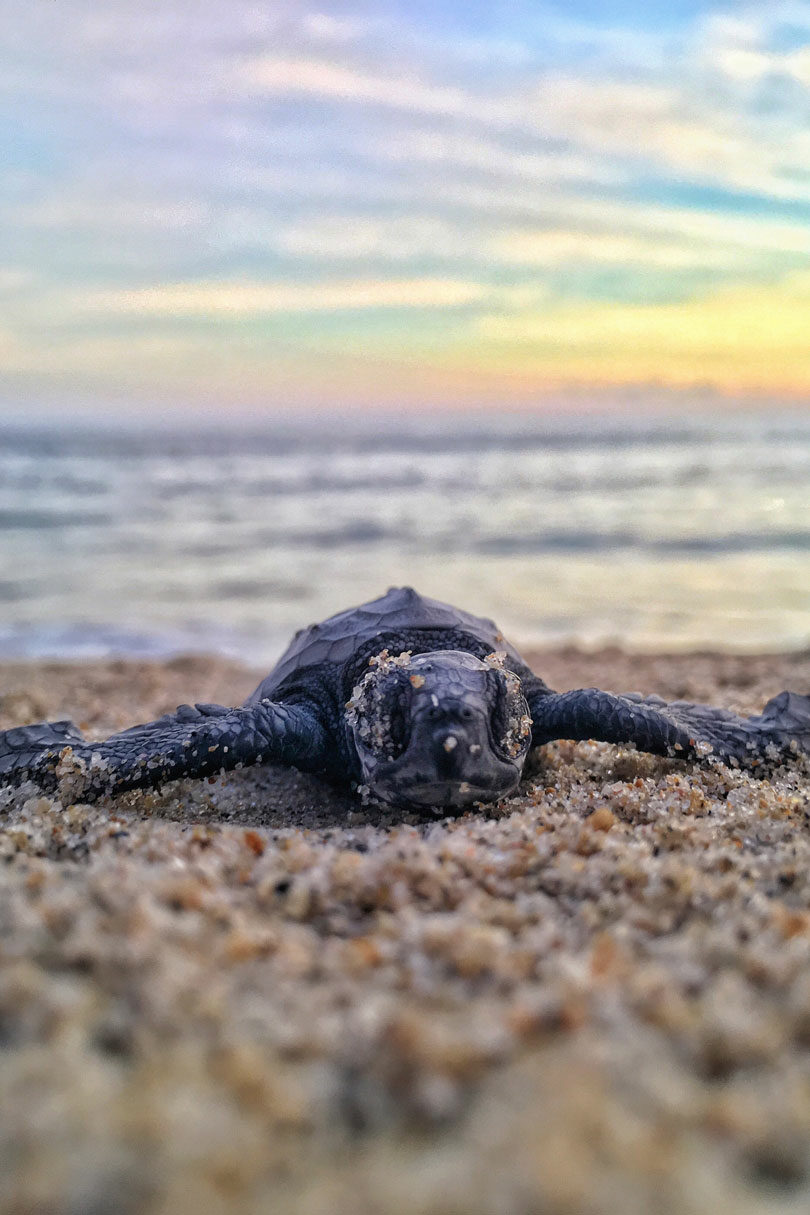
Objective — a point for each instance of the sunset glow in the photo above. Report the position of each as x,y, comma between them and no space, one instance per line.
402,205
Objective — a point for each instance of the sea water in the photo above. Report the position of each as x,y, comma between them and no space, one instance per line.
657,534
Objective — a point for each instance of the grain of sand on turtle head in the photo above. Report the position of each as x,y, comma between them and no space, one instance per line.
250,994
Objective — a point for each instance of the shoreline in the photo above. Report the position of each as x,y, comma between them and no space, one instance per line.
108,694
254,993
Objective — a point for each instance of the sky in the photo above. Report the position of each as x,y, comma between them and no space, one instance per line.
432,203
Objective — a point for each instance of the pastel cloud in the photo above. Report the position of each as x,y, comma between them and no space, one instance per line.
213,299
197,191
320,78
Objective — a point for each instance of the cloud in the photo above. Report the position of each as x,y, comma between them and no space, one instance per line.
324,78
221,299
612,236
325,27
453,150
14,279
200,164
560,247
88,214
383,239
683,120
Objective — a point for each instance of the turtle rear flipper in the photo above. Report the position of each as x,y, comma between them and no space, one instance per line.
22,746
677,727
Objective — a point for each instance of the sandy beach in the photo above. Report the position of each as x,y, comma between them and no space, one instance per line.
252,994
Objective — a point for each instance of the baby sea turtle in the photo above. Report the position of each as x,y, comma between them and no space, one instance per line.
406,699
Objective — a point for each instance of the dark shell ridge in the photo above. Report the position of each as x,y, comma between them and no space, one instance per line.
400,609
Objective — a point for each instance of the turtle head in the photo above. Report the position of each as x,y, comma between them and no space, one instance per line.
442,729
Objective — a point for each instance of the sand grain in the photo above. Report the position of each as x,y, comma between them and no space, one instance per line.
253,994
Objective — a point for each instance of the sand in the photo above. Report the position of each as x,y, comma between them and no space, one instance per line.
249,994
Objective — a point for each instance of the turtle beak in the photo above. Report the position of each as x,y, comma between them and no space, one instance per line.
457,743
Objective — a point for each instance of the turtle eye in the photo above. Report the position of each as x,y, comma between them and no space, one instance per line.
510,721
379,713
399,729
500,714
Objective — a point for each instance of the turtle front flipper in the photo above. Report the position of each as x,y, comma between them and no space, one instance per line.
195,741
676,728
22,746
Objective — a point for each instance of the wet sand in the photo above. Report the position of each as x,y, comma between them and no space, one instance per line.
251,994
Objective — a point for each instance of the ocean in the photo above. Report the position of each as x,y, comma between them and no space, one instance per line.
654,534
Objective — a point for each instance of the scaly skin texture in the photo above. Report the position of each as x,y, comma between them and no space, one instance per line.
677,727
305,723
197,740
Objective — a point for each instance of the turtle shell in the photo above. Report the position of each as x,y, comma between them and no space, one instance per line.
399,610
